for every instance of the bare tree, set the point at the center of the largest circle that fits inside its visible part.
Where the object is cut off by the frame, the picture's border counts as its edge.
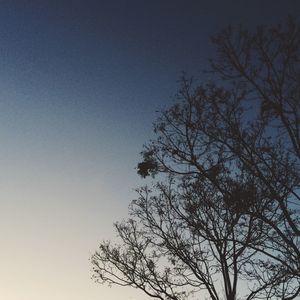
(230, 210)
(182, 239)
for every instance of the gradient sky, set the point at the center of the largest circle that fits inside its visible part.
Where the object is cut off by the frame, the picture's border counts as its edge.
(80, 82)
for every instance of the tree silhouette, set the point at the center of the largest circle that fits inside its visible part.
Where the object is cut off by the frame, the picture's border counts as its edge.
(228, 209)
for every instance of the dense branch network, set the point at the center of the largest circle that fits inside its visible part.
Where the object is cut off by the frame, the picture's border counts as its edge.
(228, 211)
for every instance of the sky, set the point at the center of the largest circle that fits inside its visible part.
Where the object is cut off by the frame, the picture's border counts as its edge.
(80, 86)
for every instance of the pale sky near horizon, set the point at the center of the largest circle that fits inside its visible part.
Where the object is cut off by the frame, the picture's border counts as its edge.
(80, 82)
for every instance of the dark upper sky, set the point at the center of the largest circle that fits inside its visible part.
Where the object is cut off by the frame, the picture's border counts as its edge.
(80, 82)
(132, 52)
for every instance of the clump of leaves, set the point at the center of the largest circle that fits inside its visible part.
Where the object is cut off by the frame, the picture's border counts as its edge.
(148, 166)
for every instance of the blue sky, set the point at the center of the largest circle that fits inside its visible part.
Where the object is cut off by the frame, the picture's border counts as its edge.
(80, 84)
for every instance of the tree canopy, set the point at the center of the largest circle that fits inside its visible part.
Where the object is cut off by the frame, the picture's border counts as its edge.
(224, 217)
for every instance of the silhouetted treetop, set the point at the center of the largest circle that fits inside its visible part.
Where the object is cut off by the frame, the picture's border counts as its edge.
(227, 208)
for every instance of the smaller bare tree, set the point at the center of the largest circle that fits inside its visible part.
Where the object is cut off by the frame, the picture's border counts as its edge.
(187, 237)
